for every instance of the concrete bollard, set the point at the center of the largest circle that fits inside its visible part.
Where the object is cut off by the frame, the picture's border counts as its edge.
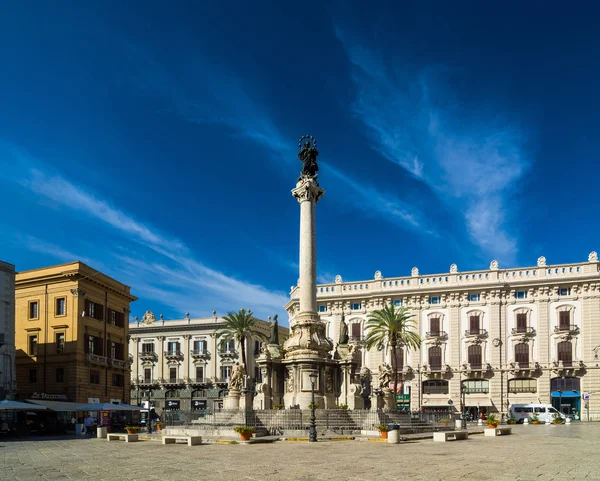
(101, 432)
(526, 421)
(568, 420)
(480, 422)
(394, 436)
(547, 423)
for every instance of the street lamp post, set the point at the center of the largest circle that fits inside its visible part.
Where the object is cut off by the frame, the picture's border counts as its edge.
(312, 433)
(462, 406)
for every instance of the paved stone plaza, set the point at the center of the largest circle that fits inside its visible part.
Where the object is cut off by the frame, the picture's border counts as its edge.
(533, 452)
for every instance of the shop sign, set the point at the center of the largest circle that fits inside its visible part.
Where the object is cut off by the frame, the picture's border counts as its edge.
(402, 397)
(43, 395)
(173, 405)
(198, 404)
(103, 418)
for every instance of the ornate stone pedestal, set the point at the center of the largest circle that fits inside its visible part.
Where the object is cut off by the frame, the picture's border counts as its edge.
(232, 400)
(389, 399)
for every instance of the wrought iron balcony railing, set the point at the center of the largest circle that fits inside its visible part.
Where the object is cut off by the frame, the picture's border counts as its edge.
(436, 334)
(527, 331)
(570, 328)
(476, 332)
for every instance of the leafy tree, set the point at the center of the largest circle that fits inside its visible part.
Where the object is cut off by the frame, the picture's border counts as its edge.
(394, 327)
(239, 326)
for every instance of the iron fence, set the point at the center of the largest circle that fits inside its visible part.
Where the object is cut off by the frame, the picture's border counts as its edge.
(276, 421)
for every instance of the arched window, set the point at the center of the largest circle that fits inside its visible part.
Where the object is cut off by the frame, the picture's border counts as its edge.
(172, 394)
(474, 386)
(564, 350)
(435, 387)
(435, 358)
(522, 354)
(517, 386)
(475, 356)
(565, 384)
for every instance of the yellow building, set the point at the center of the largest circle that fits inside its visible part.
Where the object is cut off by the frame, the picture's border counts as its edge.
(72, 325)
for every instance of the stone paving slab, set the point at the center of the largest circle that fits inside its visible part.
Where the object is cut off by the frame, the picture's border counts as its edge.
(532, 453)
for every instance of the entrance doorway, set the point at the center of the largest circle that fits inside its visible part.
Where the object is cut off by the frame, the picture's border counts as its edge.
(566, 395)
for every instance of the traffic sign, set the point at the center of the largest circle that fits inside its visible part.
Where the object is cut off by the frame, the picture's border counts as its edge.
(586, 396)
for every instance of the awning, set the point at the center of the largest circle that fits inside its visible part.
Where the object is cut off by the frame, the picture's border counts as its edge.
(55, 405)
(483, 402)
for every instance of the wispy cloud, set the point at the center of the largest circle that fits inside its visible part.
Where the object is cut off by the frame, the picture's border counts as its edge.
(472, 160)
(175, 266)
(231, 104)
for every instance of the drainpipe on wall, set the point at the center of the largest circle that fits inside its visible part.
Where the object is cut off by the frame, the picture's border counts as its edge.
(45, 331)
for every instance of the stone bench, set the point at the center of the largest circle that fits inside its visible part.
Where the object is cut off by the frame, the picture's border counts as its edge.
(189, 440)
(128, 438)
(498, 431)
(444, 436)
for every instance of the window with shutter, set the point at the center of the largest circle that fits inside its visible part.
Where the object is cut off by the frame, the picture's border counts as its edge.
(356, 331)
(435, 358)
(434, 326)
(522, 354)
(475, 356)
(564, 320)
(521, 323)
(565, 352)
(474, 324)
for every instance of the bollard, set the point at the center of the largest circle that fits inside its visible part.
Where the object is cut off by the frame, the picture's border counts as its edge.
(547, 422)
(568, 420)
(480, 422)
(101, 432)
(526, 421)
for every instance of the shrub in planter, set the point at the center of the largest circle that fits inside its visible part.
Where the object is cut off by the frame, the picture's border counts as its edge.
(342, 406)
(491, 421)
(383, 430)
(160, 425)
(511, 420)
(132, 429)
(244, 431)
(557, 419)
(535, 420)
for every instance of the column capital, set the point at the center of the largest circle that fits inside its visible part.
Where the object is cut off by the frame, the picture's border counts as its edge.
(307, 189)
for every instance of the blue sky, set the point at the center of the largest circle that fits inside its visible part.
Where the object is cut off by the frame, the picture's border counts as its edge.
(158, 142)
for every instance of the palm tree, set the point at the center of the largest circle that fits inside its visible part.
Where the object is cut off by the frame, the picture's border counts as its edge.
(239, 326)
(394, 327)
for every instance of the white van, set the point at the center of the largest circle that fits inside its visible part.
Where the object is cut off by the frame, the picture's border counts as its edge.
(545, 412)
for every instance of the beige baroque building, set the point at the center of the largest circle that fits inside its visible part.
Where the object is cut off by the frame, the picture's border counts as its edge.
(180, 366)
(491, 338)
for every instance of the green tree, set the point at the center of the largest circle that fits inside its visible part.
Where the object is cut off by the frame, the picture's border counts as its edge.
(239, 326)
(395, 328)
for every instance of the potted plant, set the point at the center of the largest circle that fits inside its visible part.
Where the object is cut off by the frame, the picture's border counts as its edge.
(383, 430)
(535, 420)
(342, 406)
(491, 421)
(557, 419)
(444, 422)
(278, 406)
(511, 420)
(132, 429)
(244, 431)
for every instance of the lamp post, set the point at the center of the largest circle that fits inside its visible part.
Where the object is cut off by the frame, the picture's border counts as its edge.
(312, 433)
(462, 406)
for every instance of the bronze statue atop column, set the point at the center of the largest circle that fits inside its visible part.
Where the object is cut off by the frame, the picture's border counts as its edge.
(308, 156)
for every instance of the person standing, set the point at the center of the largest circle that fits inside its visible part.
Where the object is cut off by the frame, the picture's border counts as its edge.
(88, 423)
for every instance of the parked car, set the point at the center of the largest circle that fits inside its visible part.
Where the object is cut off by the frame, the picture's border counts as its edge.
(545, 412)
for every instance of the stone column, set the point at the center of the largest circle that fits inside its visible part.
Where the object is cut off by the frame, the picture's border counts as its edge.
(308, 193)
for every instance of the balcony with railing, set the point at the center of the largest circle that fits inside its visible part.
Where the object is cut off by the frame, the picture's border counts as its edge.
(148, 356)
(174, 355)
(221, 380)
(476, 333)
(95, 359)
(443, 335)
(144, 382)
(567, 328)
(523, 367)
(200, 354)
(228, 353)
(117, 362)
(197, 381)
(476, 368)
(172, 381)
(523, 331)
